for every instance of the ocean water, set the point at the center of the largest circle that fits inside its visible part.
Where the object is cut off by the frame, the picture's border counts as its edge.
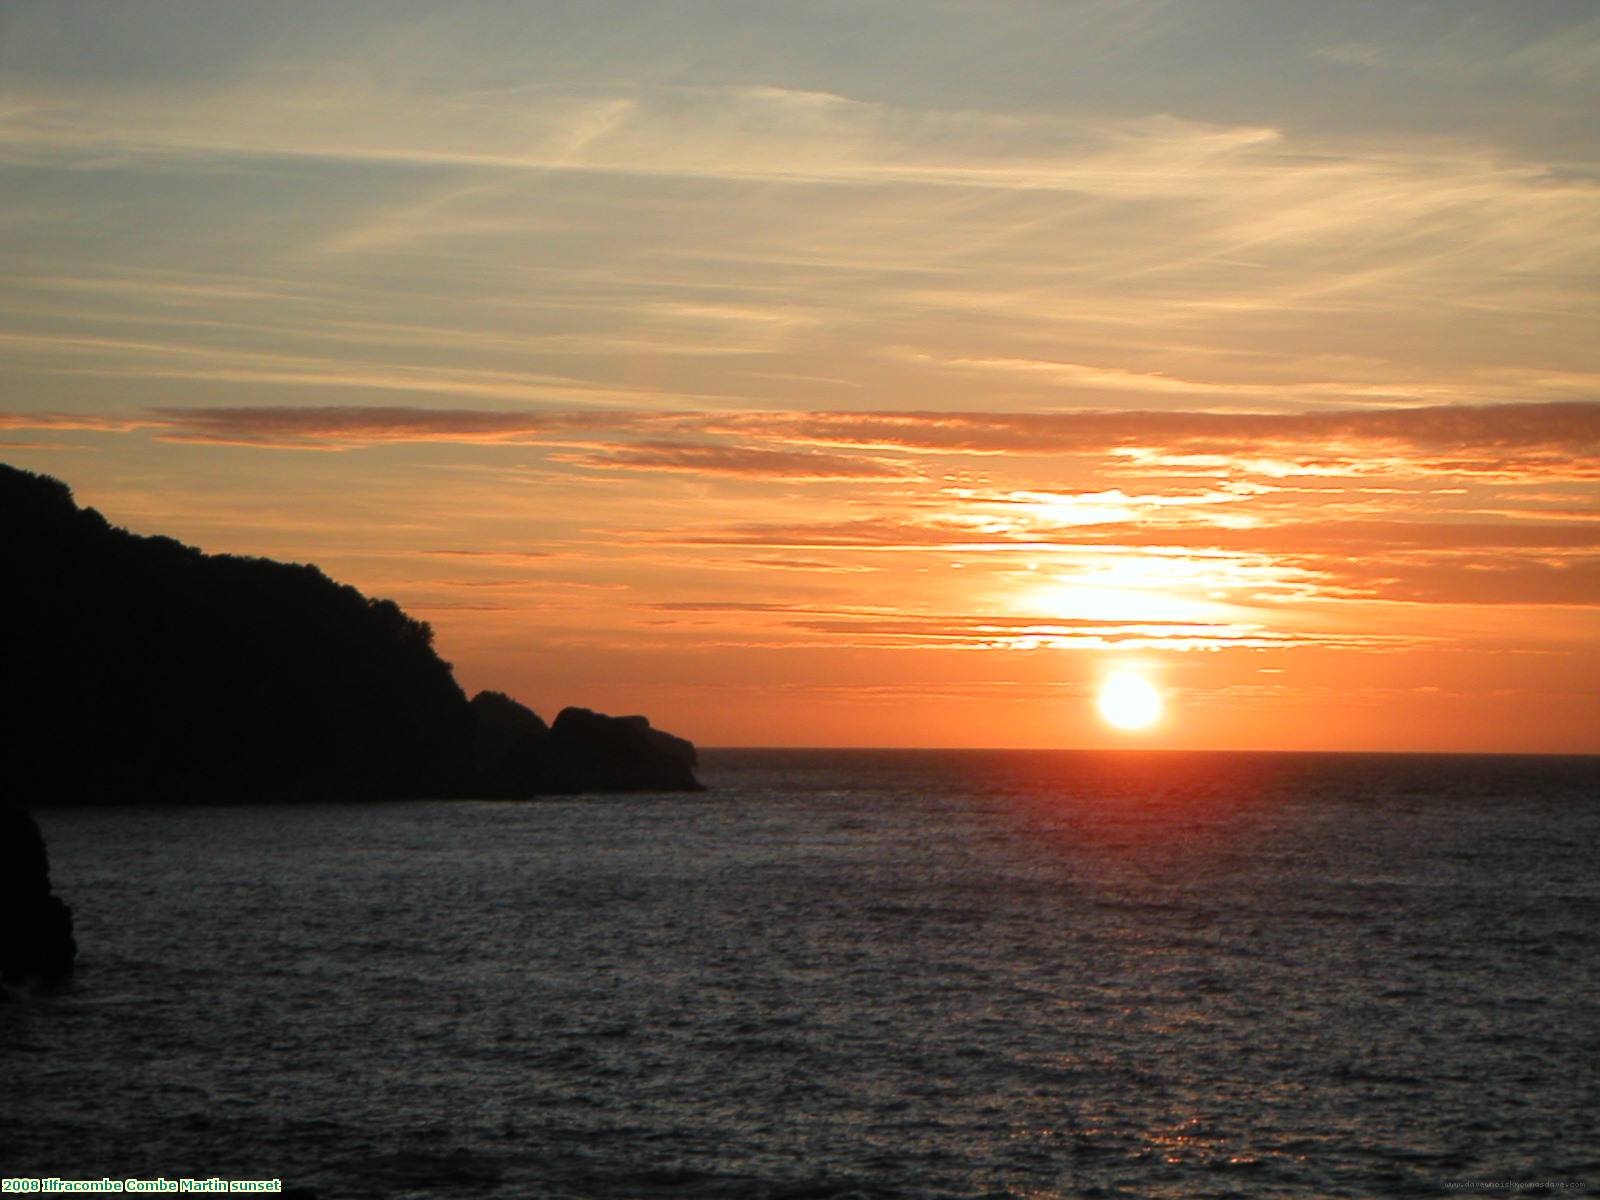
(843, 974)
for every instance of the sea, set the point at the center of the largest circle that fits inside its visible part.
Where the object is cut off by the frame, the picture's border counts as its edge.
(918, 975)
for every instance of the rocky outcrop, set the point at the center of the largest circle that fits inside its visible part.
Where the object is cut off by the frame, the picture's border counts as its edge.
(596, 753)
(137, 668)
(36, 944)
(511, 753)
(516, 754)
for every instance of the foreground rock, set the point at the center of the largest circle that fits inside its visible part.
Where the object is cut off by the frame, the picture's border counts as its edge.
(36, 944)
(140, 669)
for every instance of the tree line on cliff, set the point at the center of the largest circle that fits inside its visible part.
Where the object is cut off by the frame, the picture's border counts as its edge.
(138, 668)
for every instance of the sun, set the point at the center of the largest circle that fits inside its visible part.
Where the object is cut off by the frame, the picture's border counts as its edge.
(1129, 701)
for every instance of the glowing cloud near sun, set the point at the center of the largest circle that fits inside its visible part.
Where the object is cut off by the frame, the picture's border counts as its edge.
(1129, 701)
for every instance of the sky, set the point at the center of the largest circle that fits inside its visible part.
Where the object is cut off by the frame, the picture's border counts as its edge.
(855, 372)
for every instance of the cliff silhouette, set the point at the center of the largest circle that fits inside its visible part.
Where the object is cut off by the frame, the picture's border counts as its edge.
(138, 668)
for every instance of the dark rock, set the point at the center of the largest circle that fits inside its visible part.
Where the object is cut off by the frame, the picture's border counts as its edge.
(512, 755)
(36, 943)
(515, 754)
(679, 748)
(138, 668)
(594, 752)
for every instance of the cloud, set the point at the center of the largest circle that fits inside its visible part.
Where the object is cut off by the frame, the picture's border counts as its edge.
(1087, 377)
(724, 606)
(1406, 505)
(91, 422)
(333, 428)
(883, 629)
(742, 461)
(964, 533)
(1555, 439)
(1546, 514)
(810, 565)
(124, 358)
(731, 132)
(1228, 218)
(863, 533)
(1219, 376)
(502, 556)
(1469, 579)
(1549, 442)
(341, 428)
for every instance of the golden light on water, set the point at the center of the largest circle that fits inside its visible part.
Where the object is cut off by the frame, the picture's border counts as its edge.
(1129, 701)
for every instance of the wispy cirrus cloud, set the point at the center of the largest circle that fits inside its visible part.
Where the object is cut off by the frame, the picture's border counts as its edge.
(90, 422)
(275, 427)
(1571, 580)
(1411, 505)
(750, 462)
(1290, 386)
(1517, 443)
(342, 428)
(887, 629)
(1440, 437)
(976, 534)
(1559, 439)
(496, 556)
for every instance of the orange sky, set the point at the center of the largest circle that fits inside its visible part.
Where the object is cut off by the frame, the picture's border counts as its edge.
(873, 374)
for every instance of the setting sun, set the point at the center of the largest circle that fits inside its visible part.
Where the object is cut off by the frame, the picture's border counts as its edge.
(1128, 701)
(1063, 534)
(756, 375)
